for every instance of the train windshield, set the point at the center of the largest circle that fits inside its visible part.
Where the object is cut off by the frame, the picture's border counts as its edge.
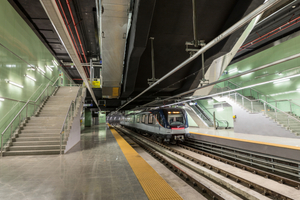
(176, 118)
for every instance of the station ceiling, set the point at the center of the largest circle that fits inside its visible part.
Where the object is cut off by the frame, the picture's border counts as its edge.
(170, 23)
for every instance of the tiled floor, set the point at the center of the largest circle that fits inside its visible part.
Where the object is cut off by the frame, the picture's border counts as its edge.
(259, 138)
(97, 170)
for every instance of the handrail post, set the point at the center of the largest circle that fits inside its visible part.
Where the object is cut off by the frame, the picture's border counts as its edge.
(276, 114)
(235, 97)
(288, 122)
(265, 108)
(60, 143)
(26, 111)
(11, 130)
(251, 106)
(1, 144)
(291, 107)
(243, 100)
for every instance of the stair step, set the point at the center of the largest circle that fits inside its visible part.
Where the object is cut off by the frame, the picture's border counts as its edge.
(38, 138)
(31, 152)
(42, 123)
(38, 134)
(43, 147)
(35, 143)
(29, 130)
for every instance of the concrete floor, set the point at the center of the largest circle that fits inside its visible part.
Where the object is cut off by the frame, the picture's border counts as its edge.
(95, 169)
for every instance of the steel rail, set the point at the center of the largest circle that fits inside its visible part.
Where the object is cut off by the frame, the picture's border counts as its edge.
(259, 188)
(201, 188)
(215, 41)
(265, 174)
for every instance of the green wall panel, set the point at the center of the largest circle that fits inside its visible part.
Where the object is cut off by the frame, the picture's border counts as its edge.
(88, 118)
(20, 48)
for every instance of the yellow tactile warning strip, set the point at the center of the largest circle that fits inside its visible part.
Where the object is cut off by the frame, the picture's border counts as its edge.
(153, 184)
(249, 141)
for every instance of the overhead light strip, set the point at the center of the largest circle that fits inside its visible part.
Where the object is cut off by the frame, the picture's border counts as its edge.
(30, 77)
(15, 84)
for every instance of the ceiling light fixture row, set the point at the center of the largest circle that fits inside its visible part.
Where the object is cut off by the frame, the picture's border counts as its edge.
(238, 89)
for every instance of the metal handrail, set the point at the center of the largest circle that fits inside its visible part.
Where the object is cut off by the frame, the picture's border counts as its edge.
(217, 120)
(62, 128)
(18, 114)
(270, 105)
(74, 105)
(274, 100)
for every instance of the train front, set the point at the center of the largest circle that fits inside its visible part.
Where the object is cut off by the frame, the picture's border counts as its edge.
(177, 123)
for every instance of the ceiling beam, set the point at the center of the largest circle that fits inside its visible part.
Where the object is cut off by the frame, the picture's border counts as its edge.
(57, 21)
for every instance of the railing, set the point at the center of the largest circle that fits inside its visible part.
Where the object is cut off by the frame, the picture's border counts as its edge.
(204, 118)
(286, 105)
(72, 111)
(207, 117)
(259, 105)
(219, 123)
(25, 112)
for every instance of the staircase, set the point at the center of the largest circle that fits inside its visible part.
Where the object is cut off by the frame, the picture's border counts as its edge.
(288, 120)
(41, 134)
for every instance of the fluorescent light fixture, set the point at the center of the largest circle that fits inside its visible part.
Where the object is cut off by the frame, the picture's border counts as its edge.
(51, 66)
(281, 80)
(48, 68)
(30, 77)
(298, 89)
(247, 74)
(15, 84)
(220, 109)
(1, 99)
(233, 70)
(54, 62)
(41, 70)
(234, 90)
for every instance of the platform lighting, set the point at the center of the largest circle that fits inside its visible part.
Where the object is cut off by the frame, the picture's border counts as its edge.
(220, 109)
(1, 99)
(41, 70)
(48, 68)
(281, 80)
(247, 74)
(30, 77)
(15, 84)
(54, 62)
(298, 89)
(234, 90)
(233, 70)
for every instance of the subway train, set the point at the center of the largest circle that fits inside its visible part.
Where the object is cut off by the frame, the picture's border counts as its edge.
(165, 124)
(114, 119)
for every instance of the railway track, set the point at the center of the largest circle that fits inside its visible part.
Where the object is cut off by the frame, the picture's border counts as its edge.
(193, 145)
(181, 156)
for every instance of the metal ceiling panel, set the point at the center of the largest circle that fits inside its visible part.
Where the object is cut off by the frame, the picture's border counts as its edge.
(114, 28)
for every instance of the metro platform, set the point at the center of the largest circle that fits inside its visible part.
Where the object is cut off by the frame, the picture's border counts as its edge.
(276, 146)
(101, 166)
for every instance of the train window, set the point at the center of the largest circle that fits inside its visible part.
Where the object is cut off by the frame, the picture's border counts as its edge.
(176, 118)
(137, 119)
(150, 119)
(143, 118)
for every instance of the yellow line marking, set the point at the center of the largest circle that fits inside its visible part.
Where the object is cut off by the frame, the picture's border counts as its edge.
(250, 141)
(153, 184)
